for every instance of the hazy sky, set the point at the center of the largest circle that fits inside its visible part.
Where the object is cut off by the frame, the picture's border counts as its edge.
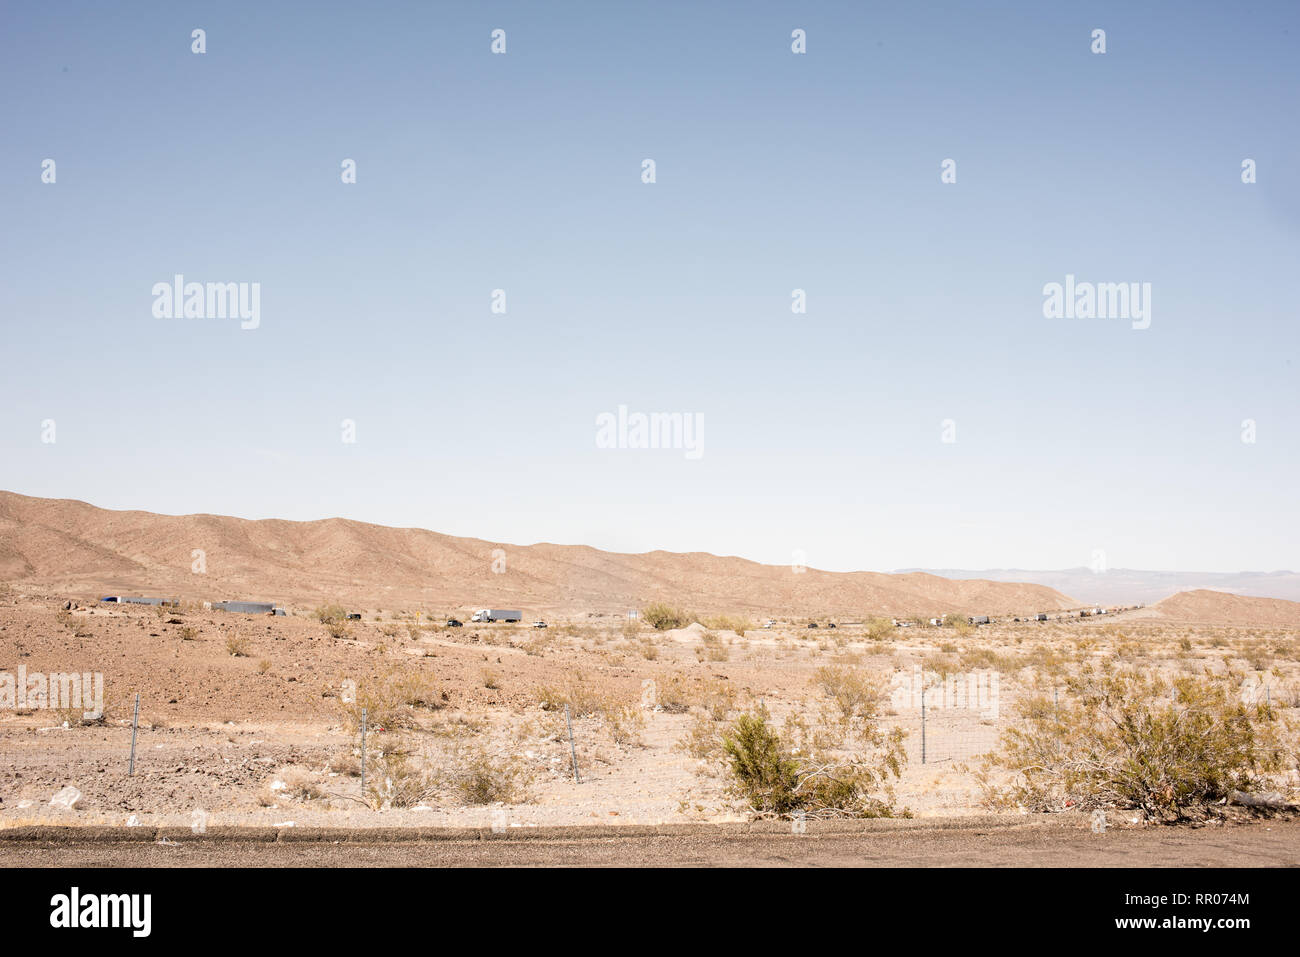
(475, 171)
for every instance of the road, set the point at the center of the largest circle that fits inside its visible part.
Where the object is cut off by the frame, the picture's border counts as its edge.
(1275, 844)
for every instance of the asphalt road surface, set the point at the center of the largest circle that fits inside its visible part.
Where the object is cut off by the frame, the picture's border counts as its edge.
(1275, 844)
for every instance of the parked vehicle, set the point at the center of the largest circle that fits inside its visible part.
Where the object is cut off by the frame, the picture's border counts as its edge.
(539, 624)
(497, 614)
(1040, 617)
(937, 622)
(353, 616)
(812, 624)
(453, 623)
(978, 619)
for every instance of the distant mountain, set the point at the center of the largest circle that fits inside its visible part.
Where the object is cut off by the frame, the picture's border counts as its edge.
(73, 547)
(1127, 586)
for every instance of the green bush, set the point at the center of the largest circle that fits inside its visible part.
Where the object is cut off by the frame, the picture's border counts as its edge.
(815, 777)
(880, 629)
(1130, 738)
(663, 617)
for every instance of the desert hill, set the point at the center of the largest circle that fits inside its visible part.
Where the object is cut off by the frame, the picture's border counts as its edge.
(74, 547)
(1204, 607)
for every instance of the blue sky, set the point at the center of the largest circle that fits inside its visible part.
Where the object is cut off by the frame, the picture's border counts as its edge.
(775, 171)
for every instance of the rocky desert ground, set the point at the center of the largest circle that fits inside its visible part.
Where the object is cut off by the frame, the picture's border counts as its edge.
(253, 719)
(600, 718)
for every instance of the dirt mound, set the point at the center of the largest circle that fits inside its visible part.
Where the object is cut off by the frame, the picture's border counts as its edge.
(73, 547)
(1206, 607)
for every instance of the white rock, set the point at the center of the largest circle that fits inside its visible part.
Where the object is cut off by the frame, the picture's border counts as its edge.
(23, 805)
(133, 821)
(65, 798)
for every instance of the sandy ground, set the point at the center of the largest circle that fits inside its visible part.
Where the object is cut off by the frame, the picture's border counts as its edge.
(219, 731)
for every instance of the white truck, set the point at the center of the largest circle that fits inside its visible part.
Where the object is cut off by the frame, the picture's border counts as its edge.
(497, 614)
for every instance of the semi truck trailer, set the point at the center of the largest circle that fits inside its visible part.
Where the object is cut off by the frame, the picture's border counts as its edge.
(497, 614)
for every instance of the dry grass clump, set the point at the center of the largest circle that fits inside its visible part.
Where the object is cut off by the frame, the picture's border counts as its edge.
(335, 619)
(291, 784)
(736, 623)
(392, 699)
(238, 646)
(986, 659)
(397, 778)
(857, 694)
(620, 718)
(715, 697)
(480, 776)
(712, 648)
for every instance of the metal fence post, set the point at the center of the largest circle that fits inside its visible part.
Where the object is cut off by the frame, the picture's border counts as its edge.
(363, 754)
(923, 689)
(573, 752)
(135, 722)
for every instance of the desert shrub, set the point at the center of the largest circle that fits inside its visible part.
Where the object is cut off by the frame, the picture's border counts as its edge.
(849, 779)
(984, 659)
(624, 724)
(712, 648)
(880, 629)
(301, 784)
(717, 698)
(479, 776)
(856, 693)
(673, 694)
(263, 666)
(620, 718)
(736, 623)
(1130, 738)
(327, 614)
(581, 696)
(662, 617)
(346, 763)
(238, 646)
(396, 778)
(189, 633)
(538, 642)
(702, 740)
(392, 699)
(940, 665)
(338, 629)
(959, 623)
